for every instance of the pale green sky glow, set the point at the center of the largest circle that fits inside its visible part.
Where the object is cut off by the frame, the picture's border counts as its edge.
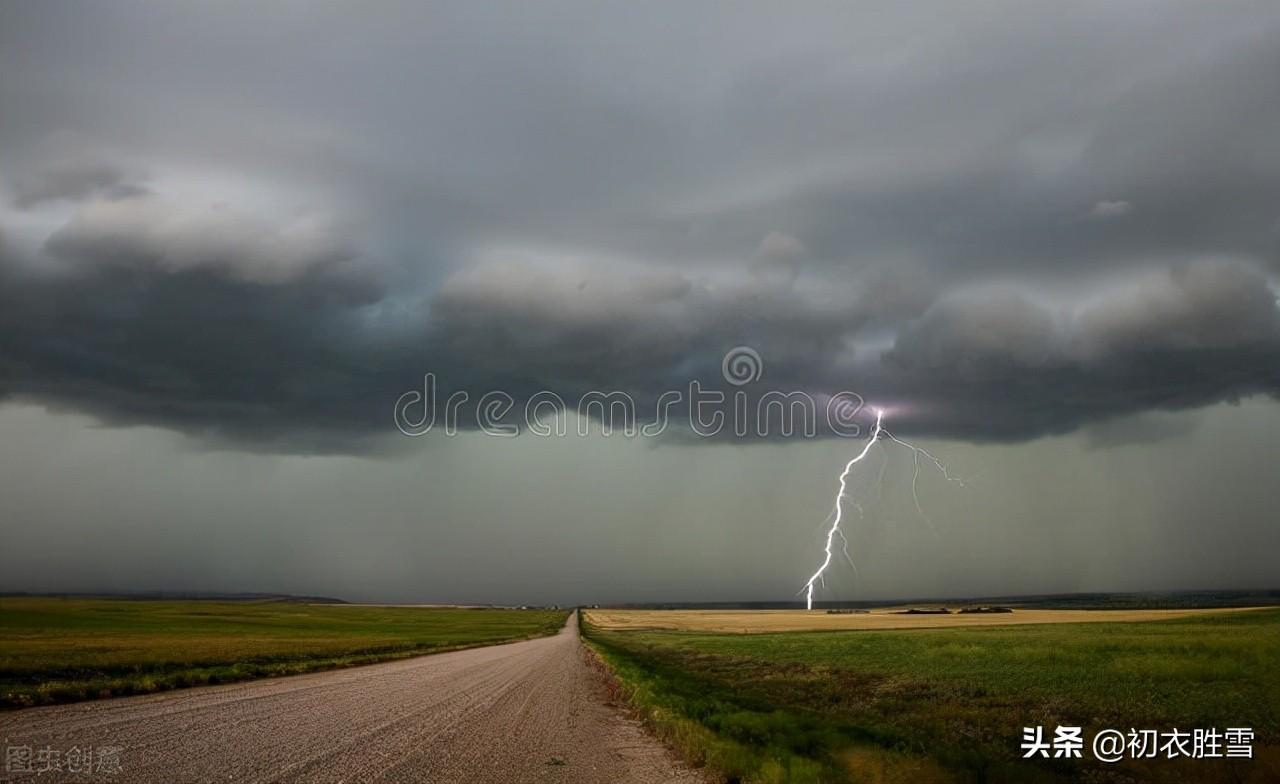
(482, 519)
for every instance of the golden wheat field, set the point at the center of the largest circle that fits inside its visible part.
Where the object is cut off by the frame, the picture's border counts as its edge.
(760, 621)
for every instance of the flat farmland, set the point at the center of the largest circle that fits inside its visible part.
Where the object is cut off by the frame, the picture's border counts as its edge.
(812, 697)
(770, 621)
(62, 650)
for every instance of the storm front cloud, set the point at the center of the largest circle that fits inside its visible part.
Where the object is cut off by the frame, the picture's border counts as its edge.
(1007, 220)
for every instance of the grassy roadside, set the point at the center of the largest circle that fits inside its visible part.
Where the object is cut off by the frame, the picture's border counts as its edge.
(64, 650)
(672, 704)
(949, 704)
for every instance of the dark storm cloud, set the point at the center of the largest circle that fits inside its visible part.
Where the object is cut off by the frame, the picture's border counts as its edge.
(143, 308)
(1003, 365)
(148, 232)
(632, 327)
(194, 350)
(1009, 220)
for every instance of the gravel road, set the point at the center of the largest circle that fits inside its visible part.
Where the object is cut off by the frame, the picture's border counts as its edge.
(533, 711)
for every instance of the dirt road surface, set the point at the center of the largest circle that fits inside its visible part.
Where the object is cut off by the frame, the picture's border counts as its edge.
(532, 711)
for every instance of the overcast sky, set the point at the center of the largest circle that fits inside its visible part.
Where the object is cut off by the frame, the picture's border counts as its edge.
(1044, 238)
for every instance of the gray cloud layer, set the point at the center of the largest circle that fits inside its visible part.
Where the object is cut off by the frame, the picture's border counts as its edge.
(1005, 220)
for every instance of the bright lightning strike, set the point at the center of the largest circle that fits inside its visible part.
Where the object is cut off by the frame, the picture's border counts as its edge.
(835, 524)
(838, 513)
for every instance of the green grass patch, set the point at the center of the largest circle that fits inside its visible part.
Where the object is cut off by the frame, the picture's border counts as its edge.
(61, 650)
(949, 704)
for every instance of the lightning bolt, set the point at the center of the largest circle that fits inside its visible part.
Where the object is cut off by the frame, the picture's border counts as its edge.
(837, 514)
(916, 453)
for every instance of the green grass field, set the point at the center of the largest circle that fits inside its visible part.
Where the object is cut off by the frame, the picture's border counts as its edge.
(59, 650)
(949, 704)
